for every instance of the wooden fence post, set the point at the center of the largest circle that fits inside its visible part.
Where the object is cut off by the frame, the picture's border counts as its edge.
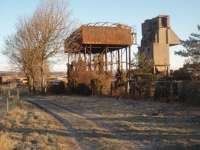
(18, 95)
(7, 104)
(7, 100)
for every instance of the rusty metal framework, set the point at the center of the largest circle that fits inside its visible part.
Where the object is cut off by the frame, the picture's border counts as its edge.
(100, 34)
(109, 24)
(109, 41)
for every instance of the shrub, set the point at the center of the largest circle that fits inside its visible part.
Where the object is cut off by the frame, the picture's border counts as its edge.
(56, 87)
(190, 92)
(83, 89)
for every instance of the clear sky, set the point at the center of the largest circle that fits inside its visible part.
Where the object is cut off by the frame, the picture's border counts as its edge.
(185, 15)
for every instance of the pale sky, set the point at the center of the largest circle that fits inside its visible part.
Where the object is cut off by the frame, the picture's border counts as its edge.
(185, 15)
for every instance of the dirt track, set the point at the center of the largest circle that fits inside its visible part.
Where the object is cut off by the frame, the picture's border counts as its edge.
(108, 123)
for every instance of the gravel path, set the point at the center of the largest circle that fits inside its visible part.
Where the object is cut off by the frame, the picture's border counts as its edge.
(108, 123)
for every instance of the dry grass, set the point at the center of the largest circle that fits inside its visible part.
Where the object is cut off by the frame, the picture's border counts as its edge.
(102, 124)
(30, 128)
(124, 124)
(6, 143)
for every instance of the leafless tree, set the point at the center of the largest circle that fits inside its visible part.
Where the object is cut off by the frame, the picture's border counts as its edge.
(39, 38)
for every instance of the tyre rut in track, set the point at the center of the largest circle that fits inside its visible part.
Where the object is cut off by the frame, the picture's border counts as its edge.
(48, 108)
(66, 116)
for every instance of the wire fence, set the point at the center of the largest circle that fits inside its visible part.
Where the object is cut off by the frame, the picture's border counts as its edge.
(9, 98)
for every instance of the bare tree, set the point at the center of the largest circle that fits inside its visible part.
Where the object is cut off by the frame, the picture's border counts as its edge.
(38, 39)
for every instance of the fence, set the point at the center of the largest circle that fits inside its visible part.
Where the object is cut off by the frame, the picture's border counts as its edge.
(142, 88)
(189, 92)
(168, 90)
(9, 97)
(183, 91)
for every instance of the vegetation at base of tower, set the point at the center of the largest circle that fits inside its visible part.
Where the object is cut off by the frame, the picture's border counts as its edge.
(82, 80)
(142, 76)
(143, 64)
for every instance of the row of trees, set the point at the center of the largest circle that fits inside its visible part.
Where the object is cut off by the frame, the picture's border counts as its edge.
(37, 39)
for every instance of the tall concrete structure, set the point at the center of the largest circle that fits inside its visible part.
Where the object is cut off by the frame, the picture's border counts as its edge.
(157, 37)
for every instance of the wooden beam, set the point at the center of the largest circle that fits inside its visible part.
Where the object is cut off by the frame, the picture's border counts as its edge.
(121, 63)
(129, 48)
(126, 60)
(85, 49)
(111, 65)
(106, 61)
(90, 63)
(118, 59)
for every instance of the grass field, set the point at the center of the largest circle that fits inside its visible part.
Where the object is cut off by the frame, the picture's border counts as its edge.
(89, 123)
